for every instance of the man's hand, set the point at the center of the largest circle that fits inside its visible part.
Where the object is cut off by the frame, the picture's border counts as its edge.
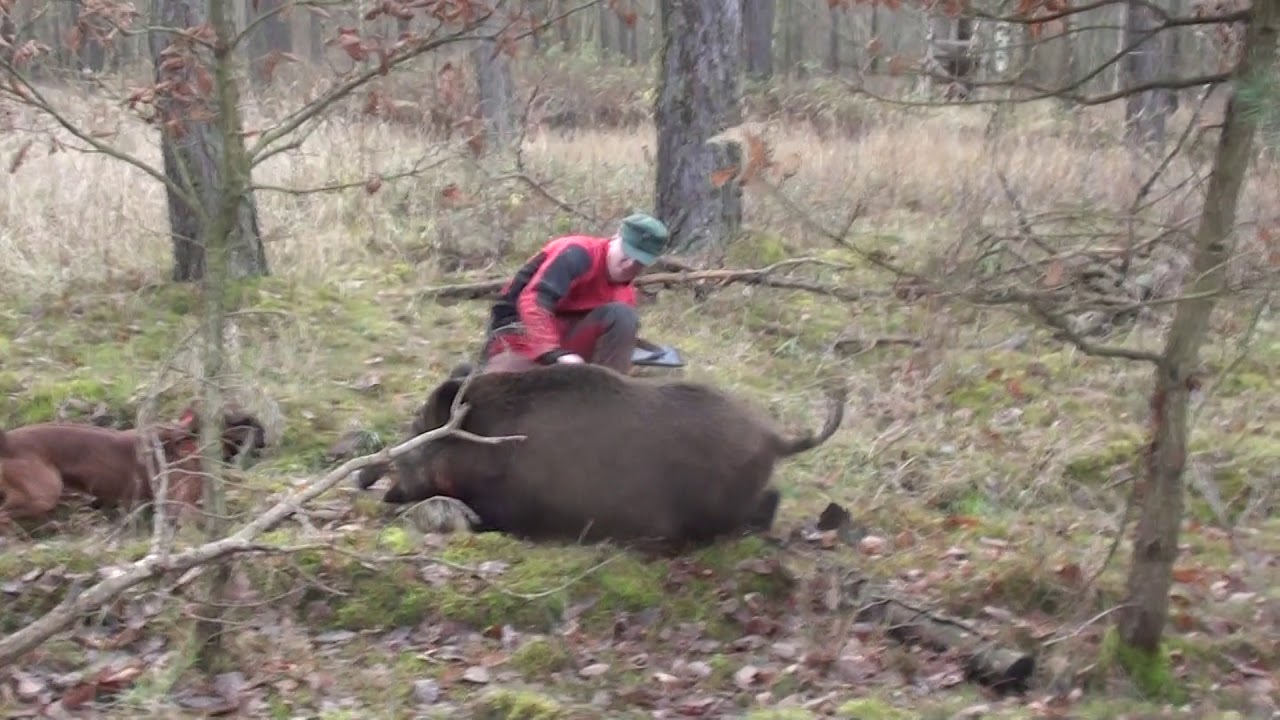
(570, 359)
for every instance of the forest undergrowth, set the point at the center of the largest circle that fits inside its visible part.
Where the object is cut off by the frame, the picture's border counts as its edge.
(985, 463)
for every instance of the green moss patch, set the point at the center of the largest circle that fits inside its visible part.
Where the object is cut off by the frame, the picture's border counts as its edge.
(528, 587)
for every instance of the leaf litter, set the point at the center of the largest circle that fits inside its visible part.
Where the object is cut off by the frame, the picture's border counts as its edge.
(798, 648)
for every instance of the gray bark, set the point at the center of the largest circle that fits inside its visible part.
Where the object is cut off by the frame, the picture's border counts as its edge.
(604, 34)
(193, 149)
(757, 23)
(834, 13)
(496, 90)
(8, 33)
(271, 34)
(1145, 113)
(699, 95)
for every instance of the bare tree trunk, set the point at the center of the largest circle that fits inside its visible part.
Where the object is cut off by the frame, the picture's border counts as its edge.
(790, 54)
(317, 38)
(604, 33)
(1141, 623)
(8, 34)
(699, 90)
(1145, 113)
(757, 21)
(564, 27)
(191, 144)
(89, 31)
(537, 10)
(874, 65)
(495, 86)
(270, 35)
(627, 42)
(833, 39)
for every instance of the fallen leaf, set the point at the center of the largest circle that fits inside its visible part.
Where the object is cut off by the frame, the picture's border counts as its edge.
(426, 691)
(212, 705)
(1188, 575)
(594, 670)
(785, 650)
(1053, 276)
(666, 678)
(759, 566)
(959, 521)
(856, 668)
(871, 545)
(696, 706)
(699, 669)
(720, 177)
(28, 688)
(1070, 573)
(368, 382)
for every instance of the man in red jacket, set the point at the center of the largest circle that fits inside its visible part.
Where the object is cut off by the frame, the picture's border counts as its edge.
(574, 301)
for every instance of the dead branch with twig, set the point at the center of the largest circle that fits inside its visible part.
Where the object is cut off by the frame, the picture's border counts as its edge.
(766, 276)
(158, 563)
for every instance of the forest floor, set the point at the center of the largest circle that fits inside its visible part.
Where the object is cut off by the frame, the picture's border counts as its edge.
(985, 464)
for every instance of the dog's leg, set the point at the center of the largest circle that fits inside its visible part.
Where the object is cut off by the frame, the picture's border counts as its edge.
(31, 489)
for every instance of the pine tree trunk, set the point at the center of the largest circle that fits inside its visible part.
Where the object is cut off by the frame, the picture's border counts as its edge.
(191, 146)
(699, 93)
(757, 20)
(1141, 624)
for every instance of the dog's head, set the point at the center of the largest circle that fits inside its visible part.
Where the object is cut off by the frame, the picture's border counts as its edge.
(239, 430)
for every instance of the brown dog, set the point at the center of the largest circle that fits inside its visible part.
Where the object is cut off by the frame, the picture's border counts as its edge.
(38, 463)
(605, 456)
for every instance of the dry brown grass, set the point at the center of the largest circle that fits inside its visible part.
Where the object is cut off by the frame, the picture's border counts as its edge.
(72, 215)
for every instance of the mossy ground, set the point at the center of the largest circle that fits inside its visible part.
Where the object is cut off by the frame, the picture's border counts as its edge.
(989, 474)
(957, 522)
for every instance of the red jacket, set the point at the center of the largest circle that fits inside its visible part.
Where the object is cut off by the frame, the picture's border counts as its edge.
(569, 275)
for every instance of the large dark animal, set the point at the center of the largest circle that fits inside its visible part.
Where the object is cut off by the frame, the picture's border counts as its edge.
(606, 456)
(40, 462)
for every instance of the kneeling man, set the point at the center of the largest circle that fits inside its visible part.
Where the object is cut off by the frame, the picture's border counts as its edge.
(574, 301)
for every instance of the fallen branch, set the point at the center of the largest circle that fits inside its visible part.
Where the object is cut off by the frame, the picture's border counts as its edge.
(156, 565)
(997, 667)
(488, 289)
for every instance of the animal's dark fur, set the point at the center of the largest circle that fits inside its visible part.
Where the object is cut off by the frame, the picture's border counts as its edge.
(605, 456)
(369, 474)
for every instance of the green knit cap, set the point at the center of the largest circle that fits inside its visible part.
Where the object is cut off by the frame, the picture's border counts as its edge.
(644, 237)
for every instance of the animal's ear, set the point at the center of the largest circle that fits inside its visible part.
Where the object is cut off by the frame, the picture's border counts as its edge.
(171, 436)
(189, 418)
(439, 405)
(461, 370)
